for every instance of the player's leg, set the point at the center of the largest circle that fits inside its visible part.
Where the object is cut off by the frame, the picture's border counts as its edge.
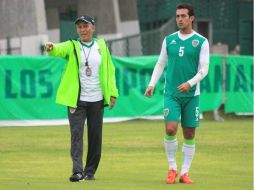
(77, 120)
(171, 117)
(94, 131)
(189, 120)
(188, 151)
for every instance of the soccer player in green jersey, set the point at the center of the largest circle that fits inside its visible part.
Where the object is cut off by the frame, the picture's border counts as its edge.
(186, 54)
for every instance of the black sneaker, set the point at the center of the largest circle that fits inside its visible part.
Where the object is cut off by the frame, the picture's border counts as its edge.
(76, 177)
(89, 177)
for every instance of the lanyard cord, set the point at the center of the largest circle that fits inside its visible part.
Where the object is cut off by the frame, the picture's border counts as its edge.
(90, 47)
(86, 57)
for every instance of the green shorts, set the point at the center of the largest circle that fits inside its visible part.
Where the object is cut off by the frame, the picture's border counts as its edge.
(184, 108)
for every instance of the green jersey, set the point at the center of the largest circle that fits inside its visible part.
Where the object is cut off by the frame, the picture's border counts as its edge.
(183, 62)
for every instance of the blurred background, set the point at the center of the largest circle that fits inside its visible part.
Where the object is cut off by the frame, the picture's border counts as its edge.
(131, 28)
(134, 31)
(133, 156)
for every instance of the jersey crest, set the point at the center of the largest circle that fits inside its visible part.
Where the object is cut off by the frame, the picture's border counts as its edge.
(166, 112)
(195, 43)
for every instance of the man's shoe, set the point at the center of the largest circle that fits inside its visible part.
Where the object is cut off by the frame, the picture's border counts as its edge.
(185, 179)
(89, 177)
(76, 177)
(171, 178)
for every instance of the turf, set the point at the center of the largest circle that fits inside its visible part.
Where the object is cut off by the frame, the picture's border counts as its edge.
(133, 157)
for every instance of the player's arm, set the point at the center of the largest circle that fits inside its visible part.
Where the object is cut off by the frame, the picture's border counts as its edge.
(58, 50)
(203, 64)
(202, 69)
(158, 70)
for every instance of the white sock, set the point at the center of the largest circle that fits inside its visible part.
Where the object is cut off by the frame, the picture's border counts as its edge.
(188, 154)
(171, 148)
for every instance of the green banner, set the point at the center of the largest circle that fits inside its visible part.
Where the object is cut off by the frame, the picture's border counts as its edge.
(239, 84)
(211, 86)
(133, 76)
(29, 86)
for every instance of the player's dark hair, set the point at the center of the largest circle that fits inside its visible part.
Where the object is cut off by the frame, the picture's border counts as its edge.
(187, 6)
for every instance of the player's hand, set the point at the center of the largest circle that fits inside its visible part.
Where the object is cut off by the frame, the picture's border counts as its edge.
(48, 46)
(149, 91)
(112, 102)
(184, 88)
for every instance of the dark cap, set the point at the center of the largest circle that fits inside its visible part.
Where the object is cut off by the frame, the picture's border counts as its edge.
(86, 19)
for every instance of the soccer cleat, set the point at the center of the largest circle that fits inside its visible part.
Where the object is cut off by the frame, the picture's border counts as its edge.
(171, 178)
(76, 177)
(185, 179)
(89, 177)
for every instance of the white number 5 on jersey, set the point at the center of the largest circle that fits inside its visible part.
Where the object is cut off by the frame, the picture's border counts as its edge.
(181, 51)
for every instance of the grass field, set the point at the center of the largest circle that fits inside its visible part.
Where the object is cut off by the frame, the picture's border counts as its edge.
(133, 157)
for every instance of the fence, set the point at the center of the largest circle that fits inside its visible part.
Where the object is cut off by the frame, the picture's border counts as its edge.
(145, 43)
(10, 46)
